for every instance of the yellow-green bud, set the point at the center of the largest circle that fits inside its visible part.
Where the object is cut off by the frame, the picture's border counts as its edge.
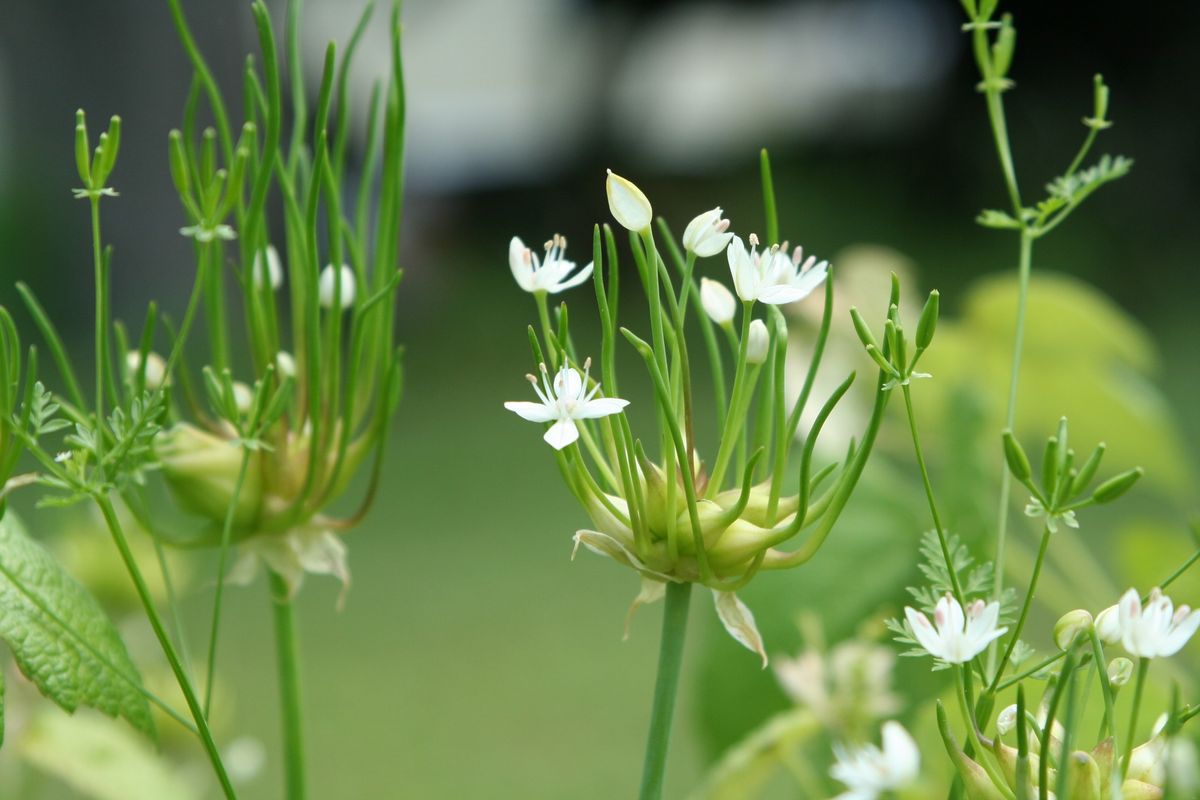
(202, 471)
(1071, 626)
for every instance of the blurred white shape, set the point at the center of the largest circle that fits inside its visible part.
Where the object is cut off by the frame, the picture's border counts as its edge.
(705, 83)
(496, 91)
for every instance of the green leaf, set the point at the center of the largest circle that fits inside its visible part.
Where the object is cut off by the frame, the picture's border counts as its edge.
(61, 638)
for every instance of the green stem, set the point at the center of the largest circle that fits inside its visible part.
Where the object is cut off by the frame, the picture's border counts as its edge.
(1016, 634)
(937, 519)
(1143, 666)
(287, 652)
(735, 420)
(222, 560)
(670, 658)
(164, 641)
(1024, 266)
(101, 326)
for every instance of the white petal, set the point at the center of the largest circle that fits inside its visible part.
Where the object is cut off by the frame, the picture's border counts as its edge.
(520, 262)
(600, 407)
(344, 288)
(742, 270)
(568, 383)
(605, 545)
(782, 294)
(738, 620)
(562, 433)
(575, 280)
(926, 636)
(652, 591)
(1180, 634)
(901, 754)
(534, 412)
(718, 302)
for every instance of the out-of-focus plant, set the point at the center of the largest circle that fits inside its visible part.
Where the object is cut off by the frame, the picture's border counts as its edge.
(258, 461)
(682, 519)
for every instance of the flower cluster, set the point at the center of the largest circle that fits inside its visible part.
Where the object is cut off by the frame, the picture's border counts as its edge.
(682, 517)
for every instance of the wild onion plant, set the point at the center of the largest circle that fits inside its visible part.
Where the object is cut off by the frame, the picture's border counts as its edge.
(259, 442)
(678, 505)
(977, 623)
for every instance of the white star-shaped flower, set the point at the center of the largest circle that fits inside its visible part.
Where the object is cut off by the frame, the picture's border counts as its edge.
(770, 276)
(870, 771)
(564, 401)
(1035, 509)
(957, 638)
(551, 274)
(1157, 629)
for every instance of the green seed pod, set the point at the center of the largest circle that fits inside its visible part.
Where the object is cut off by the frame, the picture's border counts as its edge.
(83, 161)
(179, 169)
(894, 300)
(1113, 488)
(928, 321)
(1050, 467)
(862, 329)
(110, 144)
(1002, 49)
(1014, 454)
(1088, 470)
(1099, 100)
(201, 470)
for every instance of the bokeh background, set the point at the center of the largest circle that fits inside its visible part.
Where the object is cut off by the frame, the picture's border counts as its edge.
(473, 658)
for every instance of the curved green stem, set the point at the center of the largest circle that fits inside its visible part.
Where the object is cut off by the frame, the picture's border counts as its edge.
(286, 648)
(1139, 686)
(164, 641)
(670, 659)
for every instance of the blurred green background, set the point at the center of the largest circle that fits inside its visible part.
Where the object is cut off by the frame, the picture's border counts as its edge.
(473, 658)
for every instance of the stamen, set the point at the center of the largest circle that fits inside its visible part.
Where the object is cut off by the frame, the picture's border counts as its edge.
(753, 239)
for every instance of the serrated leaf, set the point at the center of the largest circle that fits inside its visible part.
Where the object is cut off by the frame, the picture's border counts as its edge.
(91, 668)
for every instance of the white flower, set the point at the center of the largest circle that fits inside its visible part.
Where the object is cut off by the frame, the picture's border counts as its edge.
(758, 341)
(285, 364)
(707, 234)
(311, 548)
(629, 206)
(1108, 625)
(1158, 629)
(770, 276)
(563, 402)
(851, 683)
(958, 638)
(869, 771)
(547, 275)
(62, 457)
(717, 301)
(326, 288)
(1035, 509)
(271, 268)
(156, 368)
(202, 233)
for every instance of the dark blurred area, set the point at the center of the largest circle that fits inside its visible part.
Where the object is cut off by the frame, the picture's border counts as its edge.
(516, 108)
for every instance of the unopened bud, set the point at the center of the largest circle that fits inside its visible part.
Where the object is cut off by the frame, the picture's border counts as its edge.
(1120, 670)
(707, 234)
(718, 302)
(343, 293)
(156, 369)
(1006, 720)
(1071, 626)
(758, 341)
(629, 206)
(269, 268)
(1108, 625)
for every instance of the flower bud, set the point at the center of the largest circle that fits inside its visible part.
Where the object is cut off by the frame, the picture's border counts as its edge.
(1108, 625)
(758, 342)
(268, 267)
(718, 302)
(285, 364)
(1120, 670)
(707, 234)
(156, 369)
(1071, 626)
(243, 397)
(1006, 720)
(928, 322)
(627, 203)
(326, 289)
(202, 470)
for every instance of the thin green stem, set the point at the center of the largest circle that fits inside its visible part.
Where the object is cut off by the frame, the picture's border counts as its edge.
(1024, 266)
(101, 325)
(1139, 686)
(1036, 668)
(670, 659)
(735, 420)
(1016, 634)
(222, 560)
(288, 659)
(937, 519)
(164, 641)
